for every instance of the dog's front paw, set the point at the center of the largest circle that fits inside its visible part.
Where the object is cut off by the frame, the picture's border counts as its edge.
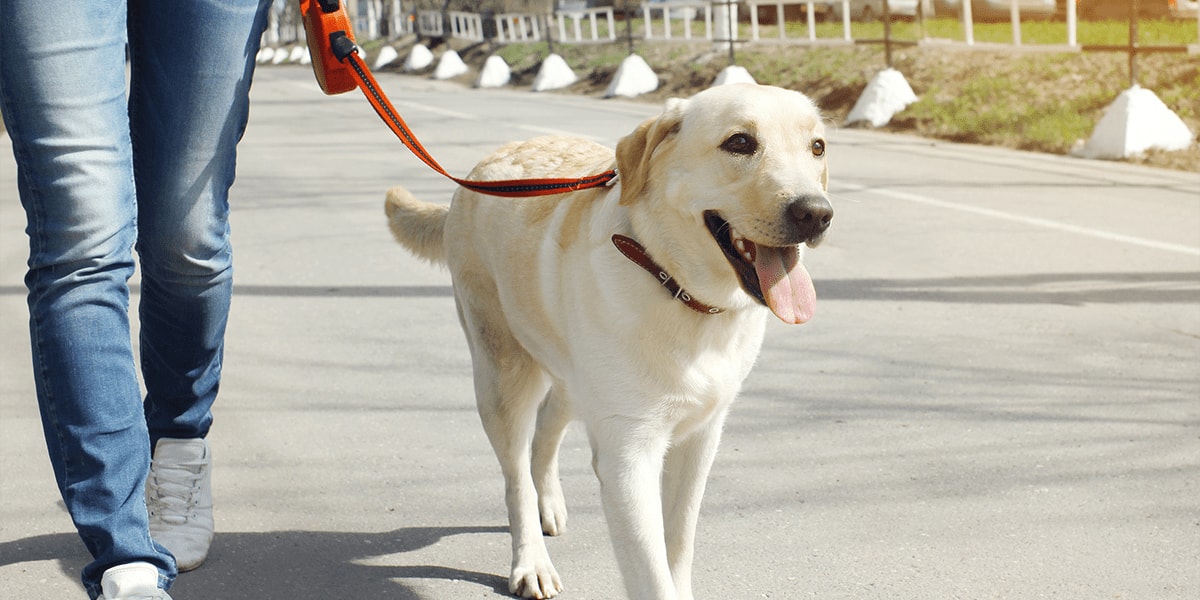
(535, 579)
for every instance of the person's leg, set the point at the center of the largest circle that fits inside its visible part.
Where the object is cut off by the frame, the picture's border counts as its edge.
(191, 65)
(62, 87)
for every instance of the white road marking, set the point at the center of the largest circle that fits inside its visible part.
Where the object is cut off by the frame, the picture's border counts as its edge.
(1034, 221)
(445, 112)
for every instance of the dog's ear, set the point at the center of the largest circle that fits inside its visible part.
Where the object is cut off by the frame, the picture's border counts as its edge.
(635, 150)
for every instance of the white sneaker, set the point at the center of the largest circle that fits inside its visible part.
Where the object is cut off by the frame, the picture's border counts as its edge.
(179, 499)
(132, 581)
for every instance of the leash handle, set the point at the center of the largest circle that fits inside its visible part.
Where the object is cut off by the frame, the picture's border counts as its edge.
(322, 20)
(339, 68)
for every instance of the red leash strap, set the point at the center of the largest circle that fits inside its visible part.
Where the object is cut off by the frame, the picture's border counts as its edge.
(507, 188)
(329, 30)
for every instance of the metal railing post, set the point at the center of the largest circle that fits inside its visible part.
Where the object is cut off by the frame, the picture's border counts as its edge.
(731, 20)
(968, 22)
(887, 33)
(1133, 43)
(629, 26)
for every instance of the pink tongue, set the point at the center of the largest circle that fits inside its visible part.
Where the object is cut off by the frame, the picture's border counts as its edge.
(785, 284)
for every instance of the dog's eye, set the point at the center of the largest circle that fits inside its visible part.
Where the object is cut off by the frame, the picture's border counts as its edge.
(818, 148)
(740, 143)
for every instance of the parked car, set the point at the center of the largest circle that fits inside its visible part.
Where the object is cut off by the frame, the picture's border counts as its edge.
(999, 10)
(871, 10)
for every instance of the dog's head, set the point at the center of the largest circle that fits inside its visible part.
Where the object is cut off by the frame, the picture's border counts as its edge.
(734, 176)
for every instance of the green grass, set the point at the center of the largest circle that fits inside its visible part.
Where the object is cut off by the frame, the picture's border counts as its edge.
(990, 110)
(1150, 31)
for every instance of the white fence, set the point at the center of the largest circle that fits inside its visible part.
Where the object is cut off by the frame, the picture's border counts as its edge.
(466, 26)
(669, 20)
(592, 16)
(810, 14)
(370, 19)
(518, 28)
(429, 24)
(684, 11)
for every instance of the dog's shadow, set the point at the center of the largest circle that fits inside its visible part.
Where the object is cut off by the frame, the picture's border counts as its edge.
(288, 565)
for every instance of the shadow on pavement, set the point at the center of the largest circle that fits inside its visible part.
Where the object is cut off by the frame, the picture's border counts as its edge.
(1071, 289)
(284, 565)
(1021, 288)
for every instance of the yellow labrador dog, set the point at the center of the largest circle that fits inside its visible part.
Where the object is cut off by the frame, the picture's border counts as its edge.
(638, 309)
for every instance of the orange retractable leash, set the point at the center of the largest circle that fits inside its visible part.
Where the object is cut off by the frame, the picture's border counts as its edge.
(339, 68)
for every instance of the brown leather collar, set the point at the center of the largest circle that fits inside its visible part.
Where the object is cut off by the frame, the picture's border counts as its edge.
(637, 253)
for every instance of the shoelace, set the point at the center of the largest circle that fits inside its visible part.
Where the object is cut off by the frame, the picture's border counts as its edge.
(174, 491)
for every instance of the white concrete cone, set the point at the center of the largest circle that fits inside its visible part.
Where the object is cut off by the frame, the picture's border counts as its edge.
(264, 55)
(495, 73)
(280, 56)
(387, 56)
(554, 74)
(449, 66)
(418, 58)
(887, 94)
(1135, 122)
(297, 53)
(633, 78)
(733, 74)
(305, 57)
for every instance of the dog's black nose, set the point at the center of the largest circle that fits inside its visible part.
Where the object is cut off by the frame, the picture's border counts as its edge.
(812, 216)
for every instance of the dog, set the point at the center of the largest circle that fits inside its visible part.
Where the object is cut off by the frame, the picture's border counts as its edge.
(637, 308)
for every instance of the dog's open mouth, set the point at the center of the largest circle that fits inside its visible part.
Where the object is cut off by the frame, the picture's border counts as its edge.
(772, 275)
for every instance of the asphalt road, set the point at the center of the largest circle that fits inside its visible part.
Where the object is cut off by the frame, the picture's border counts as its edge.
(999, 396)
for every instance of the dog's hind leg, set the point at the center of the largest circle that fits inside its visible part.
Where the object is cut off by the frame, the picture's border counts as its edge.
(509, 387)
(552, 421)
(685, 473)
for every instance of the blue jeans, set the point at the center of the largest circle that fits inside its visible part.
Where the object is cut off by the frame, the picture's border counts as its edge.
(99, 174)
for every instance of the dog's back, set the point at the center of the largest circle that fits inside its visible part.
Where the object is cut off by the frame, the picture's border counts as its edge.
(420, 226)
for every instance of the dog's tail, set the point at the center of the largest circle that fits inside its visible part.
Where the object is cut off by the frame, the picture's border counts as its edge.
(417, 225)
